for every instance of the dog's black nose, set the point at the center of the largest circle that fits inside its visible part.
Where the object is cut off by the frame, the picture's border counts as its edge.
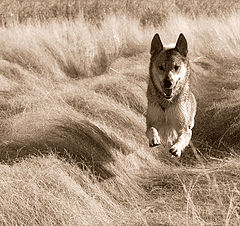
(167, 83)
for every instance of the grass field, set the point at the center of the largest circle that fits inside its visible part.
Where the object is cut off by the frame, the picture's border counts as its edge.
(73, 148)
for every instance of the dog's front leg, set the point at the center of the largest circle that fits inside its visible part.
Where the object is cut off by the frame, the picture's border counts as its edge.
(153, 137)
(184, 137)
(154, 120)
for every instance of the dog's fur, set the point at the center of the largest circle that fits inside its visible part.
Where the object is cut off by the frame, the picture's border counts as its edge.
(171, 104)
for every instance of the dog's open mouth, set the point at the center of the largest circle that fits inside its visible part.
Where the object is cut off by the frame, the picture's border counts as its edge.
(168, 93)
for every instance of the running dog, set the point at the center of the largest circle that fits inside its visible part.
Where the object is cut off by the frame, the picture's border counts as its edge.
(171, 104)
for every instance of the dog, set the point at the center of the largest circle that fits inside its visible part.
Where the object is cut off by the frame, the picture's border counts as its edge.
(171, 104)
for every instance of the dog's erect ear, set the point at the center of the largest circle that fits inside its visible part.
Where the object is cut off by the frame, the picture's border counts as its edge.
(181, 45)
(156, 45)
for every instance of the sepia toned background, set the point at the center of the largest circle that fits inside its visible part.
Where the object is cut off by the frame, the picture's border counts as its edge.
(73, 79)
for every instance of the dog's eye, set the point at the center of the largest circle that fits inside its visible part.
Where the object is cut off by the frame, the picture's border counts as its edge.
(176, 67)
(161, 68)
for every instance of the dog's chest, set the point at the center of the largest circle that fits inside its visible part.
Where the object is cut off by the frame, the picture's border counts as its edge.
(168, 122)
(172, 117)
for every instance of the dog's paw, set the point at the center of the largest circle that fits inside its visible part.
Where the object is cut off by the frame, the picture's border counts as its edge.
(155, 141)
(175, 151)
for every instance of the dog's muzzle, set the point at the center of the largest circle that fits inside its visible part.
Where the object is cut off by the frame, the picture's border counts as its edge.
(168, 88)
(167, 93)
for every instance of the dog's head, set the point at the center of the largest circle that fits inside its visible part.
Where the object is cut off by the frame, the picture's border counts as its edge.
(169, 66)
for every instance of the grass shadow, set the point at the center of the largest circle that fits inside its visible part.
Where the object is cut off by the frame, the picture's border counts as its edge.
(81, 141)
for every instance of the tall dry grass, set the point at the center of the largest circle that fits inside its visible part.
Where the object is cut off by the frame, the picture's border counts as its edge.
(148, 12)
(72, 132)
